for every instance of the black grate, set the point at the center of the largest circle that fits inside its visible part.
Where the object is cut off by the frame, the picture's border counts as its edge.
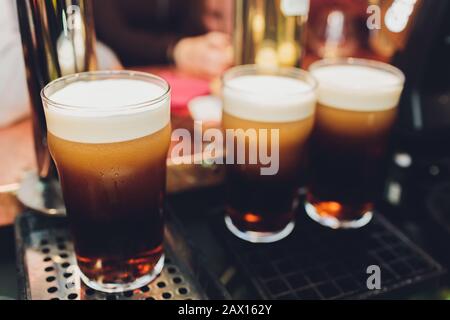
(319, 263)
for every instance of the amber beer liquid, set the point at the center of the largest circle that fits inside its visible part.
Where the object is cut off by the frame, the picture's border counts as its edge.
(109, 134)
(356, 111)
(262, 208)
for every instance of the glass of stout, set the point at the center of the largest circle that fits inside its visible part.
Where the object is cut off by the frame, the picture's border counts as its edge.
(109, 134)
(357, 108)
(259, 101)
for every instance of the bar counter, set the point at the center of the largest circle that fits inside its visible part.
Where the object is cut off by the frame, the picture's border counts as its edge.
(191, 207)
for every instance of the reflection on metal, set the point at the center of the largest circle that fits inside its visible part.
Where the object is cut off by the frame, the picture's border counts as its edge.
(43, 197)
(270, 32)
(58, 39)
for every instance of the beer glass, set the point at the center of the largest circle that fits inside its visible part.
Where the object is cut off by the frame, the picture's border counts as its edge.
(270, 32)
(58, 39)
(265, 109)
(109, 133)
(357, 107)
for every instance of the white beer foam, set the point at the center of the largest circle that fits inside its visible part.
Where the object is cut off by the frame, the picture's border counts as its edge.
(358, 88)
(103, 111)
(265, 98)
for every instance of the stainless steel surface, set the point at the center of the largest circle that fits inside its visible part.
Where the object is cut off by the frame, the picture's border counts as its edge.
(47, 269)
(44, 197)
(53, 274)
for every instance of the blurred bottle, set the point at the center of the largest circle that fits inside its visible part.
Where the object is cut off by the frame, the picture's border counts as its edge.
(334, 28)
(270, 32)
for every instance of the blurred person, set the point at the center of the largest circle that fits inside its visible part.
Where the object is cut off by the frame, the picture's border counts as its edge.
(218, 15)
(15, 104)
(161, 32)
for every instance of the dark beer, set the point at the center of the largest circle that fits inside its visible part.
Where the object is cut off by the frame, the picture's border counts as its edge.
(354, 118)
(261, 208)
(267, 204)
(112, 166)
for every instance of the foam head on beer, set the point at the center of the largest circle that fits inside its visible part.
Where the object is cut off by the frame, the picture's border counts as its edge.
(269, 98)
(107, 111)
(358, 87)
(284, 102)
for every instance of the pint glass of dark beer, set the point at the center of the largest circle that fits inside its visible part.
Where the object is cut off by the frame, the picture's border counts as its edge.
(266, 110)
(109, 133)
(357, 107)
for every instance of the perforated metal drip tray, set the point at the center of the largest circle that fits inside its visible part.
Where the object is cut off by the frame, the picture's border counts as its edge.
(317, 263)
(47, 269)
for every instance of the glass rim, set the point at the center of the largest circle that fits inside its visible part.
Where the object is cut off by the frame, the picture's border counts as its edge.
(105, 75)
(254, 69)
(351, 61)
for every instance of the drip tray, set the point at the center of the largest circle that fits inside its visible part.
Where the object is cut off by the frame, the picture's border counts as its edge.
(47, 266)
(318, 263)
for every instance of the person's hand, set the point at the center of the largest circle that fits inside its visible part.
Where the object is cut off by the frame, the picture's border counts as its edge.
(205, 56)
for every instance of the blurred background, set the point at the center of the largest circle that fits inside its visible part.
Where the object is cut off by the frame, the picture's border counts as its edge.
(192, 43)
